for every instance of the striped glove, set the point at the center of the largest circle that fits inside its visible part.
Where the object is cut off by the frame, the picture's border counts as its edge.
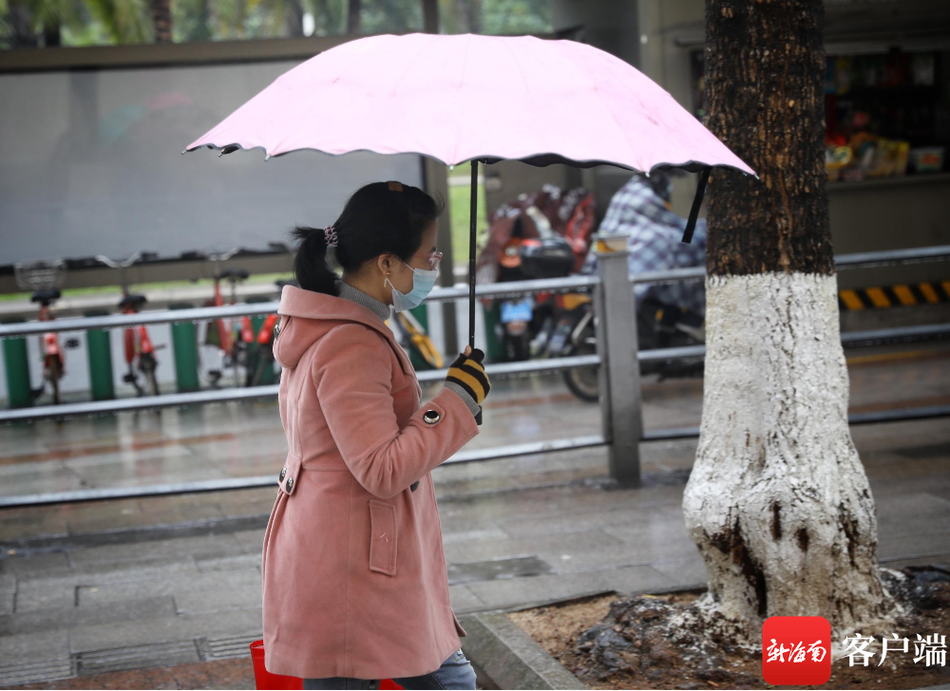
(468, 373)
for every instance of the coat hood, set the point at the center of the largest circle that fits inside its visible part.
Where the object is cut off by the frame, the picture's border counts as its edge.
(307, 315)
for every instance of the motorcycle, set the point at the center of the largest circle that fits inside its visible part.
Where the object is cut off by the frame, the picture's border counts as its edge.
(659, 325)
(542, 235)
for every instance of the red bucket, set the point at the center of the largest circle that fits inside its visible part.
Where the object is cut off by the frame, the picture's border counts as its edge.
(265, 680)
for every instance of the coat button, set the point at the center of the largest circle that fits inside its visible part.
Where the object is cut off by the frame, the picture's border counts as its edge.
(290, 483)
(431, 416)
(282, 473)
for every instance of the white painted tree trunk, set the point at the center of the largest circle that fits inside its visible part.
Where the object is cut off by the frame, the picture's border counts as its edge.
(778, 502)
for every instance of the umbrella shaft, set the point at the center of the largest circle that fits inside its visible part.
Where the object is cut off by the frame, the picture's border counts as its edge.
(471, 256)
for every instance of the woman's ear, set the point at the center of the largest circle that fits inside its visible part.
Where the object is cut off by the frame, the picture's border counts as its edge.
(385, 263)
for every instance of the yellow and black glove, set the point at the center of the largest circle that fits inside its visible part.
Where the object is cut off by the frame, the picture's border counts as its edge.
(467, 378)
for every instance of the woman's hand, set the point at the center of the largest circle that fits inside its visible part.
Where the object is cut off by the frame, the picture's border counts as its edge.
(468, 372)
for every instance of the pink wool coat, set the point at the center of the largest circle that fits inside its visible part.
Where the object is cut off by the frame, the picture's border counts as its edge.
(355, 579)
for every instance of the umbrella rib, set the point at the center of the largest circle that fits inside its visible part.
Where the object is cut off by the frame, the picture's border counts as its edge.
(421, 51)
(455, 150)
(620, 129)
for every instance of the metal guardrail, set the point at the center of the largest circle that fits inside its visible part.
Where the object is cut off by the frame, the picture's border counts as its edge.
(507, 369)
(618, 367)
(439, 294)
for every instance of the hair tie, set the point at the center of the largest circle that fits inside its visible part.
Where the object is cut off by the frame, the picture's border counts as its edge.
(330, 234)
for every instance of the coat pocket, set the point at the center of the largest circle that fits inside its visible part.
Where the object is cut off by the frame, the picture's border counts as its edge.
(382, 545)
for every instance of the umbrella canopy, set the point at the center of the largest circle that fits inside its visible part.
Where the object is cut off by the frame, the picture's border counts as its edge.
(481, 98)
(471, 97)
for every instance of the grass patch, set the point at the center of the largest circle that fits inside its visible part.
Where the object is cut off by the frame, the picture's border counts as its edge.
(459, 208)
(143, 287)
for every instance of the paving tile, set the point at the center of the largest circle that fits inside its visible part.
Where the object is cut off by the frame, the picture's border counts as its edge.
(34, 563)
(468, 535)
(240, 561)
(566, 560)
(913, 546)
(199, 545)
(44, 595)
(250, 541)
(485, 549)
(222, 590)
(57, 618)
(912, 514)
(507, 593)
(683, 571)
(577, 521)
(7, 593)
(108, 572)
(214, 598)
(35, 646)
(463, 599)
(163, 629)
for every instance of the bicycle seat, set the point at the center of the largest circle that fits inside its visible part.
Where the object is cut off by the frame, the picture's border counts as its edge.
(235, 274)
(132, 301)
(46, 296)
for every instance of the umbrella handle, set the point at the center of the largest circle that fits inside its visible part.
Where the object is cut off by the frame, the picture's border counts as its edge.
(697, 202)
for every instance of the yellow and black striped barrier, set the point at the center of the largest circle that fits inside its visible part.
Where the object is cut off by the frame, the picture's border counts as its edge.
(927, 293)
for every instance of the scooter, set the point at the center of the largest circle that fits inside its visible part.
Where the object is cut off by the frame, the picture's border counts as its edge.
(45, 279)
(262, 356)
(136, 339)
(54, 360)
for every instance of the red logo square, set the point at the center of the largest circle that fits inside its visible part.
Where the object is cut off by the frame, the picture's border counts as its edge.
(796, 650)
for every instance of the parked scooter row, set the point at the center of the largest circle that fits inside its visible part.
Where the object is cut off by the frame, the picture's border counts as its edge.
(246, 351)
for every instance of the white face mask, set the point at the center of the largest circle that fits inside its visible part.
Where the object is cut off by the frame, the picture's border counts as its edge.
(423, 281)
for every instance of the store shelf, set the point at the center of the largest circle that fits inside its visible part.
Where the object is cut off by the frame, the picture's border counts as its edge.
(839, 186)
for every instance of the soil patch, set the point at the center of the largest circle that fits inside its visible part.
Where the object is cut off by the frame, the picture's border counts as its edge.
(619, 642)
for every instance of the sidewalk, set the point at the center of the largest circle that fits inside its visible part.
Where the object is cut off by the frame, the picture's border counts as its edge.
(99, 588)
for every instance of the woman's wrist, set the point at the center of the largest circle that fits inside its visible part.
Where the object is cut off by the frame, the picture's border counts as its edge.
(463, 394)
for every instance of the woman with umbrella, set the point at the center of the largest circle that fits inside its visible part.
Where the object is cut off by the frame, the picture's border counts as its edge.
(355, 579)
(354, 399)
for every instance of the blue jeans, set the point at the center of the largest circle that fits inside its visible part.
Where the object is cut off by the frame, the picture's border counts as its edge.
(455, 673)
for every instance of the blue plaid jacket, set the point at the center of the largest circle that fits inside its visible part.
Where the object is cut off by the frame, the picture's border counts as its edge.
(655, 241)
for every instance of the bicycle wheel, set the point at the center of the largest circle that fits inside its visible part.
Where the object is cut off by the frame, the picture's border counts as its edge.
(148, 365)
(55, 372)
(584, 382)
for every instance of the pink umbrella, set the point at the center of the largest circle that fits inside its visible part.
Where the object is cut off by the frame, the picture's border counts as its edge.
(480, 98)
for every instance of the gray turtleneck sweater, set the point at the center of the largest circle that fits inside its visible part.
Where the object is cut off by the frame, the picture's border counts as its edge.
(382, 310)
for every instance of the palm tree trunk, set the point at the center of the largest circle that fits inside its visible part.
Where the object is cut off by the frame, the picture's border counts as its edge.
(353, 17)
(162, 17)
(293, 19)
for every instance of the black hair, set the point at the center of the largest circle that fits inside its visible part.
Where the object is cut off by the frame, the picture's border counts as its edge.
(379, 218)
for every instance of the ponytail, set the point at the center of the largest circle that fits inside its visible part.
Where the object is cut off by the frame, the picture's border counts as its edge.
(310, 265)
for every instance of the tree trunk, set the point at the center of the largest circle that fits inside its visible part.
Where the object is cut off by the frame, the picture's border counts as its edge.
(353, 17)
(52, 36)
(162, 17)
(293, 19)
(777, 502)
(430, 16)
